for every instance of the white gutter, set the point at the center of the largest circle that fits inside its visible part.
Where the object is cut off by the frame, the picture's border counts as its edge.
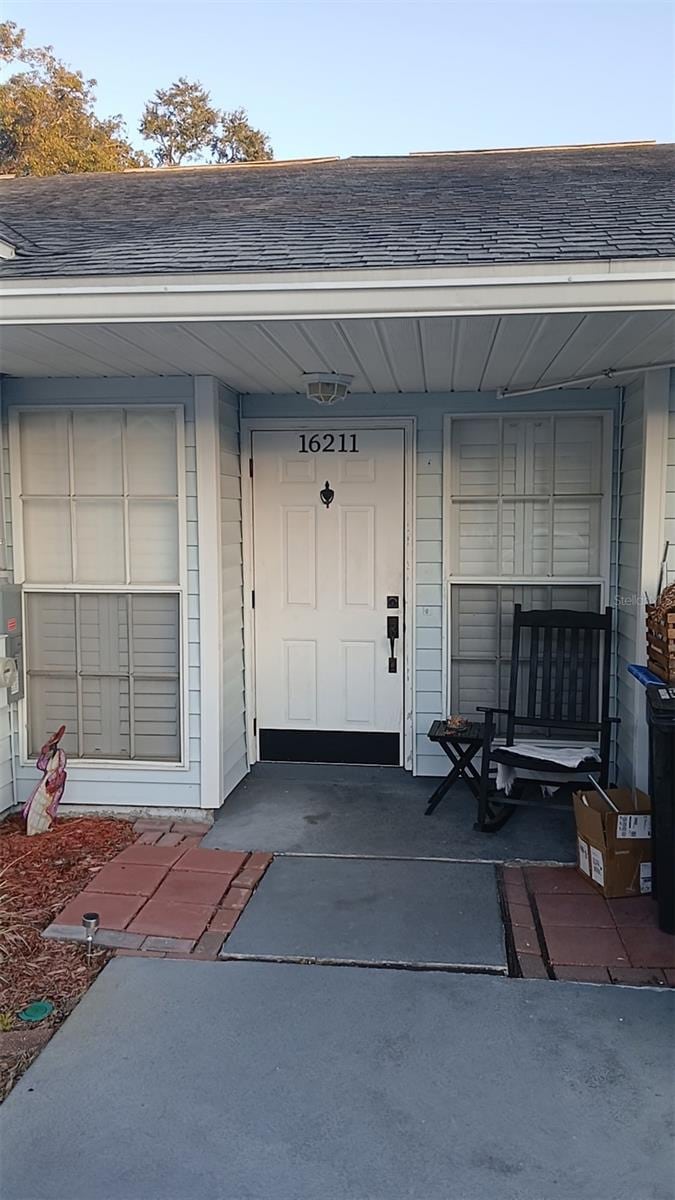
(522, 288)
(610, 373)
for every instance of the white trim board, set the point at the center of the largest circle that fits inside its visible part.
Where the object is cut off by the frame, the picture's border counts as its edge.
(656, 396)
(656, 391)
(409, 427)
(207, 445)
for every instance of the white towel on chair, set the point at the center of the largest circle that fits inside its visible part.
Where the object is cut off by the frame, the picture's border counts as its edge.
(566, 756)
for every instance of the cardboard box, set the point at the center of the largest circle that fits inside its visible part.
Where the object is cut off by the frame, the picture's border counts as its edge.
(614, 850)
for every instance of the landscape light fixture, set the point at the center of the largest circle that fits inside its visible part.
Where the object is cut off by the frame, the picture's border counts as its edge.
(90, 923)
(326, 387)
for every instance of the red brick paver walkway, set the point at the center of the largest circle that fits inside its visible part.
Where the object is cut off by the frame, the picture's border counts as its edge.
(166, 895)
(562, 928)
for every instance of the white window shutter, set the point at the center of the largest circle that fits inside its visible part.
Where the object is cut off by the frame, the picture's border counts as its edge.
(155, 634)
(44, 453)
(157, 719)
(99, 541)
(476, 452)
(104, 637)
(105, 718)
(47, 547)
(151, 452)
(97, 452)
(50, 633)
(50, 654)
(578, 455)
(153, 541)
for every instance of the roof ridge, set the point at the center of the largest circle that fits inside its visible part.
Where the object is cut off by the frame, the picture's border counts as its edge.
(535, 149)
(251, 162)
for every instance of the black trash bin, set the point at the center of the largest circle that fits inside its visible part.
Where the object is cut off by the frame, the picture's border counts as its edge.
(661, 718)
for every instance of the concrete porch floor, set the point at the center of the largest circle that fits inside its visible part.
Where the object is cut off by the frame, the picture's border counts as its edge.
(300, 808)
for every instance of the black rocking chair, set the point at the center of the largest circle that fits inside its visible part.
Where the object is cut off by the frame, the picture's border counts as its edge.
(559, 687)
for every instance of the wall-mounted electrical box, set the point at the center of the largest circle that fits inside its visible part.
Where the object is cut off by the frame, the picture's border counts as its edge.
(11, 628)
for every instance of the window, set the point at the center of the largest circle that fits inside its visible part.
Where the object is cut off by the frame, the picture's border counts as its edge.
(526, 526)
(100, 508)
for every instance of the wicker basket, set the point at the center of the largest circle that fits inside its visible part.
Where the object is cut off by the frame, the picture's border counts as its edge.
(661, 643)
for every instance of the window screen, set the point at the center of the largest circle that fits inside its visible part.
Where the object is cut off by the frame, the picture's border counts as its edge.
(106, 666)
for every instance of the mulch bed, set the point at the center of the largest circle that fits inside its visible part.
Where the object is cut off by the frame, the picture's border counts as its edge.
(38, 876)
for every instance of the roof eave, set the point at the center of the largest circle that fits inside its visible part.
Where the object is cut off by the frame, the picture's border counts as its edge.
(591, 285)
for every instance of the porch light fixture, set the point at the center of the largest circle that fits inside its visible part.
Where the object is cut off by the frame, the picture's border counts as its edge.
(326, 387)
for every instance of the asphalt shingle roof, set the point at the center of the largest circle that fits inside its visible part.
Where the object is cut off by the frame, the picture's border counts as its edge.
(428, 211)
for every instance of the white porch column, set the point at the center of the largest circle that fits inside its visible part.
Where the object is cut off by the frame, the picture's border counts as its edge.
(655, 396)
(210, 575)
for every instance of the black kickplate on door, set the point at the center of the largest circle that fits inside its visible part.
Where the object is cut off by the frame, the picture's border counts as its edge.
(330, 746)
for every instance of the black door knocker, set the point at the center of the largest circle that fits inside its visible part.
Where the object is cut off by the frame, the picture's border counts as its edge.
(327, 495)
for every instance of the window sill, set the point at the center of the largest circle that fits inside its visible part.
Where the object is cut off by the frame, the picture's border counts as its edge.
(111, 764)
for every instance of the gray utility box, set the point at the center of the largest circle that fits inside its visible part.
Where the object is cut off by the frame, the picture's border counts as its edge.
(11, 627)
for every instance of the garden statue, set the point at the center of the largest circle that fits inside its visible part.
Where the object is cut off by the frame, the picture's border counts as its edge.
(40, 809)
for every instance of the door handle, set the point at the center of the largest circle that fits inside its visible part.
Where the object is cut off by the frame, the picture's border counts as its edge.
(392, 634)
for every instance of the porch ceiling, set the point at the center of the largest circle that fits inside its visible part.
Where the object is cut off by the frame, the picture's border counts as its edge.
(428, 354)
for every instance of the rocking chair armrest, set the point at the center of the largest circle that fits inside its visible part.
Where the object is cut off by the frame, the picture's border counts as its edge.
(481, 708)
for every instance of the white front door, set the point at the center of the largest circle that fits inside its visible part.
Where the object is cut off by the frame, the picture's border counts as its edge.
(328, 561)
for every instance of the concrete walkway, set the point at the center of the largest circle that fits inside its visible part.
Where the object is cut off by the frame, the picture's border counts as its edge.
(215, 1081)
(314, 809)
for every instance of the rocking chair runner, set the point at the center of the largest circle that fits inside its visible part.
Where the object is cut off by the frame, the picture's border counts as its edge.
(559, 686)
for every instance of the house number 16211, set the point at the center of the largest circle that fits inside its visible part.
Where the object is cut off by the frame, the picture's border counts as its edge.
(328, 443)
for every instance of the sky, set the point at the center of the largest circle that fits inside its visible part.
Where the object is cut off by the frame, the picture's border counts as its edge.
(383, 76)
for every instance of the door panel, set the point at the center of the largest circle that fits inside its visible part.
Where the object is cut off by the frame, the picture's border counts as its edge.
(322, 576)
(300, 680)
(299, 556)
(357, 556)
